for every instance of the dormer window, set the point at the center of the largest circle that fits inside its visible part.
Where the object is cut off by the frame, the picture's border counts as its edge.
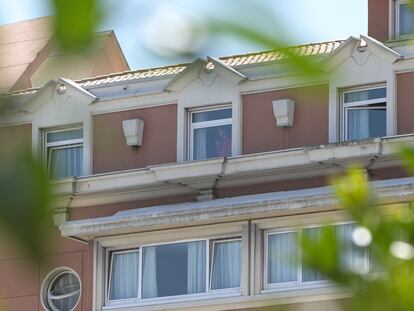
(64, 152)
(404, 19)
(210, 133)
(364, 113)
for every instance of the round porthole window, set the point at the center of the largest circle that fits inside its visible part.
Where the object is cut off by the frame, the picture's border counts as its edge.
(61, 290)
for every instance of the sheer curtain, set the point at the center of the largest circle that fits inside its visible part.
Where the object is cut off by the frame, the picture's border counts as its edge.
(227, 265)
(282, 257)
(200, 144)
(352, 257)
(358, 124)
(149, 273)
(124, 277)
(66, 162)
(310, 275)
(196, 270)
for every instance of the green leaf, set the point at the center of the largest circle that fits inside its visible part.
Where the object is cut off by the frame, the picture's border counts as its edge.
(75, 23)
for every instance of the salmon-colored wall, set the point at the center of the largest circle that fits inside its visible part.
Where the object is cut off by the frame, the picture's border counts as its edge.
(18, 136)
(310, 127)
(405, 103)
(378, 19)
(159, 145)
(24, 278)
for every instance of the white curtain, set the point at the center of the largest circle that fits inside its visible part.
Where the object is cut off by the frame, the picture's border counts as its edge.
(196, 270)
(149, 273)
(200, 144)
(124, 277)
(66, 162)
(282, 257)
(358, 124)
(310, 275)
(227, 265)
(352, 257)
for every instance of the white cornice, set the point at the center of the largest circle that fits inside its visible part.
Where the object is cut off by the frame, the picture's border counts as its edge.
(199, 176)
(224, 210)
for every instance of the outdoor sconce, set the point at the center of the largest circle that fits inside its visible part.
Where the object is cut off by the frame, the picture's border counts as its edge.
(133, 131)
(284, 109)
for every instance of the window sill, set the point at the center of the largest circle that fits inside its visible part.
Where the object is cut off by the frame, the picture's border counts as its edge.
(162, 301)
(215, 302)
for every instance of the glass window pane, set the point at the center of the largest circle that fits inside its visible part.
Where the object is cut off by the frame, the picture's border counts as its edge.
(352, 257)
(124, 276)
(366, 123)
(406, 19)
(64, 135)
(65, 162)
(212, 142)
(227, 265)
(365, 95)
(282, 265)
(64, 292)
(211, 115)
(174, 269)
(310, 275)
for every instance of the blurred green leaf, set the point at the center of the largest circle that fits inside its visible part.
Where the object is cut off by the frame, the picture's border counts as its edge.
(75, 23)
(25, 203)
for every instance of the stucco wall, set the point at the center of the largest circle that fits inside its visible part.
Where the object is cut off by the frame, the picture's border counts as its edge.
(310, 127)
(110, 151)
(378, 19)
(24, 278)
(405, 103)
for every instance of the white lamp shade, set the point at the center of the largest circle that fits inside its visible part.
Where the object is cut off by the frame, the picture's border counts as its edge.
(133, 131)
(283, 110)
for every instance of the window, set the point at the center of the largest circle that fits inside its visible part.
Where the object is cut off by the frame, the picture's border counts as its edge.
(61, 290)
(404, 19)
(64, 152)
(283, 262)
(174, 269)
(210, 133)
(364, 113)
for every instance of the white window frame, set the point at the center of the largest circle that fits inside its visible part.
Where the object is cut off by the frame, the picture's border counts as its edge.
(63, 144)
(211, 233)
(206, 124)
(345, 107)
(396, 23)
(288, 286)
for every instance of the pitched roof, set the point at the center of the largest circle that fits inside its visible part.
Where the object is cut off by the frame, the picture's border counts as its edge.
(232, 61)
(20, 44)
(235, 61)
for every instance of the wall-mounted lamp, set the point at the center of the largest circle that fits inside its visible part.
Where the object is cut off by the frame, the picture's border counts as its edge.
(133, 131)
(284, 109)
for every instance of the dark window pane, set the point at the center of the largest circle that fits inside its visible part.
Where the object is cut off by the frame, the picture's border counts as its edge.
(212, 142)
(174, 269)
(211, 115)
(64, 135)
(365, 95)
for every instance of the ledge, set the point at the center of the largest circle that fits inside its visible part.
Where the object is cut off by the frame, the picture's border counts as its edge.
(198, 177)
(225, 210)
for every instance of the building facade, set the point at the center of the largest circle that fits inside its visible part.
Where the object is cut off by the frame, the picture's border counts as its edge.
(193, 183)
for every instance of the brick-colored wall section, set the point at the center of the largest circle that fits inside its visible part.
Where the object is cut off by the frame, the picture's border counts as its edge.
(110, 151)
(24, 278)
(310, 127)
(405, 103)
(378, 19)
